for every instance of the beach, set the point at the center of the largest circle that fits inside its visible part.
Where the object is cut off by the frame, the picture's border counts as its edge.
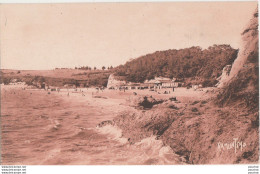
(51, 127)
(90, 126)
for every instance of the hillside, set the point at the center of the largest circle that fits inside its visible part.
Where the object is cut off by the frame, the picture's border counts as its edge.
(194, 64)
(58, 77)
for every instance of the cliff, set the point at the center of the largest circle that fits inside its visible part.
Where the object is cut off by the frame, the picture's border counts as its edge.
(241, 87)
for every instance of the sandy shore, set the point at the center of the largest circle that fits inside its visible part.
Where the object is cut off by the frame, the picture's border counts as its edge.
(51, 127)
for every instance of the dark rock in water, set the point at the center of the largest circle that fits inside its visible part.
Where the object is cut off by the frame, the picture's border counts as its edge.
(105, 123)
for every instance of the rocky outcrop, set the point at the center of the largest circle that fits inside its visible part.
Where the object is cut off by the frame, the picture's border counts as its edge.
(114, 81)
(248, 52)
(224, 76)
(241, 86)
(194, 132)
(144, 102)
(247, 55)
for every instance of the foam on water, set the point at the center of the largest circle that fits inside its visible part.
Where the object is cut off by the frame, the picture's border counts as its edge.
(113, 133)
(157, 153)
(147, 151)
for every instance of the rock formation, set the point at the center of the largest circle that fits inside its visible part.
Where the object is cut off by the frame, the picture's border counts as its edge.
(249, 47)
(114, 82)
(241, 86)
(224, 76)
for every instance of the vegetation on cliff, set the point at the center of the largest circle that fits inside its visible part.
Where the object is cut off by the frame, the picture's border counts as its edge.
(194, 64)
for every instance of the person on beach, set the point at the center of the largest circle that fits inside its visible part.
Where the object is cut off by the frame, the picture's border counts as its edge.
(82, 93)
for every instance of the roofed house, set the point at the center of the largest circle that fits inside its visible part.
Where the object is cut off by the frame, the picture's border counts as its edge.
(153, 83)
(163, 82)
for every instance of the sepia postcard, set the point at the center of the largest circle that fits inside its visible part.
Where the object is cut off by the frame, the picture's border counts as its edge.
(147, 83)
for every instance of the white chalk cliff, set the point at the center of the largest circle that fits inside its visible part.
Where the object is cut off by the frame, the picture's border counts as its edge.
(247, 50)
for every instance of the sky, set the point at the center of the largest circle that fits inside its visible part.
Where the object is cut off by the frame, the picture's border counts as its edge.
(48, 36)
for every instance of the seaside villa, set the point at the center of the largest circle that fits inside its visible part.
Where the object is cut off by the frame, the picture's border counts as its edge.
(118, 82)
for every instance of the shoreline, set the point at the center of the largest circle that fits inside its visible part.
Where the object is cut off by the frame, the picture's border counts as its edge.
(188, 126)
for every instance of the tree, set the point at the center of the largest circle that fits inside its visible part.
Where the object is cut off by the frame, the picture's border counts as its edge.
(189, 64)
(103, 67)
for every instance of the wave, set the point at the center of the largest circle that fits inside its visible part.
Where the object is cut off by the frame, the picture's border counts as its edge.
(113, 133)
(157, 152)
(148, 151)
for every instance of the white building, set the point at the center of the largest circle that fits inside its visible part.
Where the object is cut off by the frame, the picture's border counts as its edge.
(163, 82)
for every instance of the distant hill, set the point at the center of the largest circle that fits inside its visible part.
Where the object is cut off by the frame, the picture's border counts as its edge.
(57, 77)
(194, 64)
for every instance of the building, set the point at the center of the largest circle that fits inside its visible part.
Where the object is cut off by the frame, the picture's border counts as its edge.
(17, 83)
(131, 85)
(153, 83)
(163, 82)
(195, 87)
(118, 82)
